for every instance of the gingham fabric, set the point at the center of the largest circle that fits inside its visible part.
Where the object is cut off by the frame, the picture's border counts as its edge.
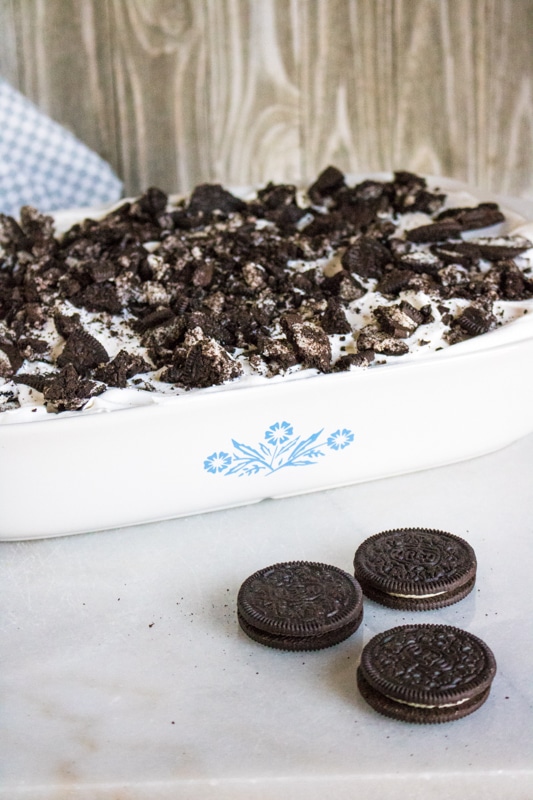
(44, 165)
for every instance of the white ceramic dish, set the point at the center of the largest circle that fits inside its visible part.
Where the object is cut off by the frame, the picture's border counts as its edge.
(209, 450)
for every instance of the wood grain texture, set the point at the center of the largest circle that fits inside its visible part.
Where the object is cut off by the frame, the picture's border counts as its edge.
(465, 90)
(174, 92)
(253, 96)
(62, 64)
(159, 68)
(347, 82)
(8, 43)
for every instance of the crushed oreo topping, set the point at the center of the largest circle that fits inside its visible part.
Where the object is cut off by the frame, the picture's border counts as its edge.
(172, 296)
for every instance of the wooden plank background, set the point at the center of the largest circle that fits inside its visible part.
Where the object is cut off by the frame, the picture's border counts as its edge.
(174, 92)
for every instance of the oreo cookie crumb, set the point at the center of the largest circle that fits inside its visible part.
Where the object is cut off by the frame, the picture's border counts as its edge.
(68, 391)
(310, 342)
(475, 321)
(122, 367)
(396, 321)
(379, 341)
(82, 351)
(367, 257)
(361, 359)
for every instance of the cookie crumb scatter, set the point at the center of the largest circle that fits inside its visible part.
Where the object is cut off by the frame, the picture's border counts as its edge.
(171, 296)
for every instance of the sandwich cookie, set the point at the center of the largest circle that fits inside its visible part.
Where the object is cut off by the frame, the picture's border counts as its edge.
(300, 605)
(415, 569)
(426, 673)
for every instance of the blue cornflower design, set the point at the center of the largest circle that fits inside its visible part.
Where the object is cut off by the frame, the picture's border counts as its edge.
(217, 462)
(278, 433)
(340, 439)
(282, 449)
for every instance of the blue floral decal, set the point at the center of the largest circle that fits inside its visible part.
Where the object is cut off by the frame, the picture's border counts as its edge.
(280, 448)
(217, 462)
(340, 439)
(278, 433)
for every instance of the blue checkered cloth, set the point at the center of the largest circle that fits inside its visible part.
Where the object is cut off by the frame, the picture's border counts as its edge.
(44, 165)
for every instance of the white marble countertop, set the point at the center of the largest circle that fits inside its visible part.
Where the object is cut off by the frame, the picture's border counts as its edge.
(125, 676)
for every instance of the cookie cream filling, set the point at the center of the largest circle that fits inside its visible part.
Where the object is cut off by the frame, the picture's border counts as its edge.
(421, 705)
(414, 596)
(381, 328)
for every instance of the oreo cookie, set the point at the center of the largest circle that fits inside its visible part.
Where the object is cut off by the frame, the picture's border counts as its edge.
(415, 569)
(426, 673)
(300, 605)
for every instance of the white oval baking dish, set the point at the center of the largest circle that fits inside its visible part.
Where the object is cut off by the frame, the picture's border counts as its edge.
(211, 449)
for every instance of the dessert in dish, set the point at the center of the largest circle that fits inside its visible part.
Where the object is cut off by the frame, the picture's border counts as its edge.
(157, 296)
(257, 344)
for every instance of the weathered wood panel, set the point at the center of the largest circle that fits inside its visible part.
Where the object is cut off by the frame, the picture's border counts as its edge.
(173, 92)
(465, 90)
(253, 96)
(439, 87)
(159, 69)
(8, 43)
(205, 91)
(347, 84)
(62, 64)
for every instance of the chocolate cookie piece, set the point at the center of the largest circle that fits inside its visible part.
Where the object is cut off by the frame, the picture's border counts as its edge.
(333, 320)
(83, 351)
(471, 218)
(300, 605)
(426, 673)
(346, 362)
(201, 363)
(210, 197)
(68, 391)
(124, 366)
(475, 321)
(397, 320)
(310, 342)
(415, 569)
(370, 338)
(328, 182)
(367, 257)
(420, 261)
(464, 253)
(495, 248)
(434, 232)
(344, 286)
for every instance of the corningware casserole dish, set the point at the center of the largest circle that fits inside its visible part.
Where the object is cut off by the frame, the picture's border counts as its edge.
(220, 447)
